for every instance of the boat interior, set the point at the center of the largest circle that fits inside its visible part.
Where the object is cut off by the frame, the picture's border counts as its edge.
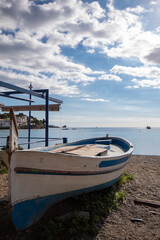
(99, 147)
(90, 150)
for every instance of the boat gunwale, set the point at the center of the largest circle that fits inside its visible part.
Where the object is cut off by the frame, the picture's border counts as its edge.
(40, 149)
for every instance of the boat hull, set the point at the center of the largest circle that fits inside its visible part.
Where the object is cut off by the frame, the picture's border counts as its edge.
(41, 178)
(25, 214)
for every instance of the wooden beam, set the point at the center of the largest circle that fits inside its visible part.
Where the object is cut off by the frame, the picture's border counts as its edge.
(151, 203)
(52, 107)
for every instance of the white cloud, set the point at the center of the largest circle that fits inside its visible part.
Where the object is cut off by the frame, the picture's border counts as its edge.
(95, 100)
(110, 77)
(144, 71)
(153, 2)
(60, 23)
(154, 83)
(128, 108)
(136, 10)
(60, 87)
(148, 76)
(127, 38)
(154, 56)
(117, 33)
(91, 51)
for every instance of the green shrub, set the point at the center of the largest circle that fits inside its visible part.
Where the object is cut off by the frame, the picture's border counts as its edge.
(126, 177)
(19, 148)
(3, 168)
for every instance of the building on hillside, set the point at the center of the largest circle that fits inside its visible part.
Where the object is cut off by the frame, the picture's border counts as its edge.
(4, 123)
(21, 121)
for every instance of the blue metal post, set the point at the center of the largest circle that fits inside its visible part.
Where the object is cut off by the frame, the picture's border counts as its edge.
(29, 121)
(47, 118)
(18, 98)
(65, 140)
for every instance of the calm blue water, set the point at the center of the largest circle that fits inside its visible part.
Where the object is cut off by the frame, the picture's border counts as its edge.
(146, 142)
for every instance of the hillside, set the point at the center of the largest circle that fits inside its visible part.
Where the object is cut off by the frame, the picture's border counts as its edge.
(22, 121)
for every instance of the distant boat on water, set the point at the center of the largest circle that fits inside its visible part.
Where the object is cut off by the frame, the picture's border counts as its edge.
(65, 127)
(148, 127)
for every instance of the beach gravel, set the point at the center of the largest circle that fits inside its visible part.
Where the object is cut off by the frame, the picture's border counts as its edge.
(136, 221)
(3, 185)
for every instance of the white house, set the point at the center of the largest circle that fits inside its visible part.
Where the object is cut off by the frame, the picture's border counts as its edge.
(21, 121)
(4, 123)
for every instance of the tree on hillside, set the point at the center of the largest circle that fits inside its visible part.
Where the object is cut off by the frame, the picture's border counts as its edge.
(4, 115)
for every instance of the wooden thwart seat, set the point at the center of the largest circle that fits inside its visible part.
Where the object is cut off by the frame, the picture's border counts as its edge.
(83, 150)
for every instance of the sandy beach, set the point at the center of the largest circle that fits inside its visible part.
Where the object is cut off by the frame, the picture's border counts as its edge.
(130, 221)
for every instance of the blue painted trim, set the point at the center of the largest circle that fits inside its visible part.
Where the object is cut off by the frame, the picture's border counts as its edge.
(47, 118)
(121, 143)
(29, 120)
(65, 174)
(17, 98)
(26, 213)
(109, 163)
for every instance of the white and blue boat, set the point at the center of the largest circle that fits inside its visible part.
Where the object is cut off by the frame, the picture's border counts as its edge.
(41, 177)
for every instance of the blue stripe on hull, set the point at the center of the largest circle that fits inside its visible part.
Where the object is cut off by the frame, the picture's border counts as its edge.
(26, 213)
(109, 163)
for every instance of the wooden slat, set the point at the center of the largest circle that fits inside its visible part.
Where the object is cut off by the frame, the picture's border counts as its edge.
(89, 150)
(66, 149)
(83, 150)
(52, 107)
(151, 203)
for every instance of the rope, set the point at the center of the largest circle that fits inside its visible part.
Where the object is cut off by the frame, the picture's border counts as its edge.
(60, 124)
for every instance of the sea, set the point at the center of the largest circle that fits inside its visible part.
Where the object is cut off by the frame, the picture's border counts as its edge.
(145, 141)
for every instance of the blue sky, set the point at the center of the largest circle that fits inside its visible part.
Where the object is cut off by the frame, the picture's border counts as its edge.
(102, 58)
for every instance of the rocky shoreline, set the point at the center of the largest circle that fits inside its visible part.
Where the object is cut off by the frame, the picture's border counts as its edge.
(130, 221)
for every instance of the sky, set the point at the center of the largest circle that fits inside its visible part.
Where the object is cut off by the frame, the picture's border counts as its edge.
(101, 58)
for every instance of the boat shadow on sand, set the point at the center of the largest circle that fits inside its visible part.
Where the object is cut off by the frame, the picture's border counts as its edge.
(74, 218)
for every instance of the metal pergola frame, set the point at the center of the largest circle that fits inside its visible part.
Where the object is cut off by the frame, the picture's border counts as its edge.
(40, 93)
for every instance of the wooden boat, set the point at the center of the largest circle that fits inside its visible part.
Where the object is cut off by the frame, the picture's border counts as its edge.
(41, 177)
